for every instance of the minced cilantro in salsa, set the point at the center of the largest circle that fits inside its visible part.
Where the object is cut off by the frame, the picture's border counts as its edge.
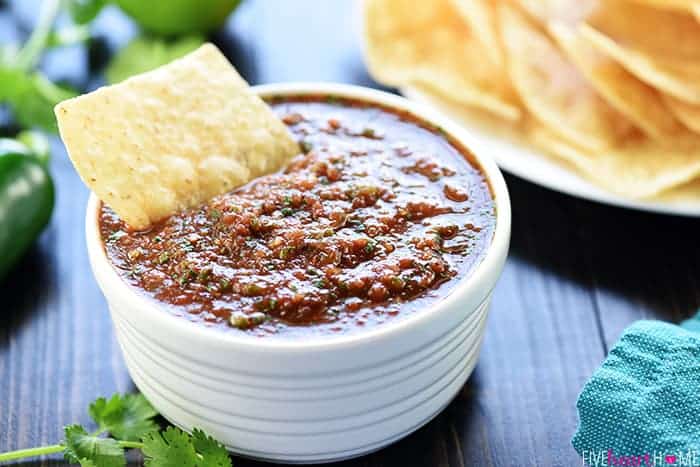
(377, 217)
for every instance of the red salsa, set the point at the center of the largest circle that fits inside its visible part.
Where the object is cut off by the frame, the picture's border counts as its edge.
(378, 217)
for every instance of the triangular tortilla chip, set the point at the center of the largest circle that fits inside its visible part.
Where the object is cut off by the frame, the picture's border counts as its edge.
(670, 35)
(638, 101)
(639, 169)
(429, 43)
(685, 6)
(687, 113)
(659, 46)
(685, 193)
(172, 138)
(680, 5)
(553, 90)
(681, 80)
(564, 11)
(480, 15)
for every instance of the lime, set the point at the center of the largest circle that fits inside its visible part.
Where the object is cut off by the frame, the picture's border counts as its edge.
(172, 17)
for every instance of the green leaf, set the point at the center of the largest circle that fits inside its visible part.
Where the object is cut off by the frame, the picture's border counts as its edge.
(31, 97)
(170, 448)
(175, 448)
(90, 451)
(213, 453)
(127, 417)
(33, 104)
(84, 11)
(145, 53)
(12, 82)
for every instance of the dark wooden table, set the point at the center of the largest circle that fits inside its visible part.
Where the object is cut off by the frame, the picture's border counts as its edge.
(577, 274)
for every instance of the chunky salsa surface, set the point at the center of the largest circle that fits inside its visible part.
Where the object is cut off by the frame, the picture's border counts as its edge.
(377, 218)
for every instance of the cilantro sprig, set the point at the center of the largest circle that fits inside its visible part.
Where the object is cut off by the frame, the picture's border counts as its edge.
(175, 447)
(127, 417)
(127, 421)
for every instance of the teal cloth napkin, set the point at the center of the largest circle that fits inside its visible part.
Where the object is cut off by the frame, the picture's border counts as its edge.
(642, 406)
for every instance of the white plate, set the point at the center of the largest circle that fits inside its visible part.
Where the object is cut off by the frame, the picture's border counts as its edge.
(531, 165)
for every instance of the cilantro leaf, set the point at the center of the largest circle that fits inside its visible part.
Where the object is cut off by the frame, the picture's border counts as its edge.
(89, 450)
(127, 417)
(174, 447)
(130, 414)
(170, 448)
(213, 453)
(145, 53)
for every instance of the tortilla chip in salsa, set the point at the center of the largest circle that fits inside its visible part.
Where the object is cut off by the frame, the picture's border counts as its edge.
(172, 138)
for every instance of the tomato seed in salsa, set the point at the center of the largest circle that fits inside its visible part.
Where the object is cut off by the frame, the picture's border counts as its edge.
(376, 218)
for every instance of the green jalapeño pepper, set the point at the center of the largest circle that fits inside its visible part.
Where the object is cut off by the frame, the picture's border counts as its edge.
(26, 198)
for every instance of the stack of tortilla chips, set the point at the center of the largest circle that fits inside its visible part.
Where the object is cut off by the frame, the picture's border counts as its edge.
(609, 87)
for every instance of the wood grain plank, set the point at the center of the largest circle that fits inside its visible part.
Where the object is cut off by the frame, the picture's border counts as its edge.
(646, 268)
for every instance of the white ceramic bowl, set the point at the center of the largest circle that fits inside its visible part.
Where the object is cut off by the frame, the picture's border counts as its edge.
(320, 399)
